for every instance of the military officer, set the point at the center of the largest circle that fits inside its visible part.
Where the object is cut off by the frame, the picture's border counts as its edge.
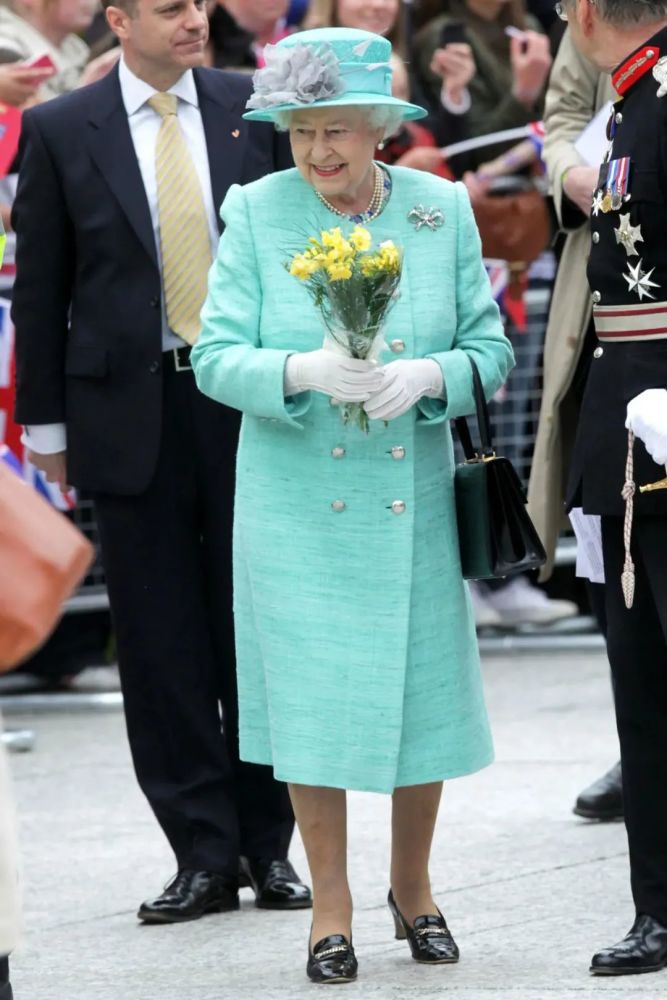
(625, 393)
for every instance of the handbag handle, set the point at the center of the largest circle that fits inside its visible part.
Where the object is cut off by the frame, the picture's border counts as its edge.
(483, 422)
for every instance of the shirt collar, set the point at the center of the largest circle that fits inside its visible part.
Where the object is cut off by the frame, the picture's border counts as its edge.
(639, 62)
(136, 92)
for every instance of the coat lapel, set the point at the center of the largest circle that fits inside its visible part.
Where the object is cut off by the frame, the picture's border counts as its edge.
(112, 150)
(226, 134)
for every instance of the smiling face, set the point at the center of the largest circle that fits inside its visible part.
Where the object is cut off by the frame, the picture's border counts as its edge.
(333, 149)
(161, 38)
(378, 16)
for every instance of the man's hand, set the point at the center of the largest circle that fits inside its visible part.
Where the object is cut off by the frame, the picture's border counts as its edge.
(579, 184)
(99, 67)
(455, 64)
(531, 62)
(647, 418)
(53, 466)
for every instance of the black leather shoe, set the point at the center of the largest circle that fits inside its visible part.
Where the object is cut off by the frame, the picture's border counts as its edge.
(603, 800)
(5, 985)
(643, 949)
(189, 896)
(429, 937)
(275, 883)
(332, 960)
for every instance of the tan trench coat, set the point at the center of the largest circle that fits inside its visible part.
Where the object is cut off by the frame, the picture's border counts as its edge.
(576, 91)
(9, 910)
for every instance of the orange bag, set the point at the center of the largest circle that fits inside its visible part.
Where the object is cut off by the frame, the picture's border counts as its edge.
(42, 559)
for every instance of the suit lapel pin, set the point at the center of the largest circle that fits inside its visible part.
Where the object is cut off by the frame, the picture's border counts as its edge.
(236, 133)
(431, 217)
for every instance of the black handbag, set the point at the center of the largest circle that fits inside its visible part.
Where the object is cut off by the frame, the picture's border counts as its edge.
(496, 536)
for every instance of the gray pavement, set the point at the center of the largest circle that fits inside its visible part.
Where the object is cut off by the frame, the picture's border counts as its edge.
(528, 890)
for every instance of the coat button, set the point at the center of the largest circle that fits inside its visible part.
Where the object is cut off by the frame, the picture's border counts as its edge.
(398, 507)
(155, 301)
(618, 117)
(397, 346)
(598, 352)
(337, 452)
(597, 297)
(398, 452)
(154, 367)
(596, 237)
(338, 505)
(333, 401)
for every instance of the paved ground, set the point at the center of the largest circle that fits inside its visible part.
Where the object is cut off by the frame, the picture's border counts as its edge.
(529, 891)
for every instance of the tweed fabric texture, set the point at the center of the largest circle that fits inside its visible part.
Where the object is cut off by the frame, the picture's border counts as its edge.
(358, 664)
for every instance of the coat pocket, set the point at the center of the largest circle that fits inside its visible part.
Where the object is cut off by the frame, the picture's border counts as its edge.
(87, 361)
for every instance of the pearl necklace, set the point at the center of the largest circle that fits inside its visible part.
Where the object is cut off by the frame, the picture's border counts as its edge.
(374, 207)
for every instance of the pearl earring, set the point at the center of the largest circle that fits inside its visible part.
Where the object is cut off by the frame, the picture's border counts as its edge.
(381, 145)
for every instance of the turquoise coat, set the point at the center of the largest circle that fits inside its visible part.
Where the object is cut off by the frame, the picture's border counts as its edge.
(358, 664)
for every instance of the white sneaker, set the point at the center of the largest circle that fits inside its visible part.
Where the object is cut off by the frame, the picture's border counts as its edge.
(520, 603)
(485, 615)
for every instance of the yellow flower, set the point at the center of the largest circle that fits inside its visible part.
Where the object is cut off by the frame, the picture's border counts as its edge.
(371, 264)
(339, 272)
(302, 267)
(390, 256)
(360, 238)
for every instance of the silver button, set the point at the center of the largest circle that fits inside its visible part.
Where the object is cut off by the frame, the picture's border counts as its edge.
(597, 297)
(338, 505)
(398, 452)
(397, 346)
(650, 53)
(618, 117)
(598, 352)
(398, 507)
(337, 452)
(596, 237)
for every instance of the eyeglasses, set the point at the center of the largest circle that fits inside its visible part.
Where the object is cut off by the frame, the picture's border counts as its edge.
(560, 11)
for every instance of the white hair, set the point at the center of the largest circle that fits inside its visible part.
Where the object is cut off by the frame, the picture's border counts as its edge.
(380, 116)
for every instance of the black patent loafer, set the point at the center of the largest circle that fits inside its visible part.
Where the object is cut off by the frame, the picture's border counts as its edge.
(429, 937)
(332, 960)
(603, 800)
(189, 896)
(643, 949)
(276, 885)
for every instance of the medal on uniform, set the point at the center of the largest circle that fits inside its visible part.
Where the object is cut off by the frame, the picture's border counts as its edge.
(616, 185)
(597, 202)
(639, 281)
(628, 235)
(660, 74)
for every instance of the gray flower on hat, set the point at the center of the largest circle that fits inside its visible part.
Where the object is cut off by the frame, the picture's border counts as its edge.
(296, 74)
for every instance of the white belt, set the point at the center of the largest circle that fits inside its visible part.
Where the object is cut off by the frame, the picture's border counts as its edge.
(644, 321)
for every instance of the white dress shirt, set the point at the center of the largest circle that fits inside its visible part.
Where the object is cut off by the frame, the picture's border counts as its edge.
(144, 125)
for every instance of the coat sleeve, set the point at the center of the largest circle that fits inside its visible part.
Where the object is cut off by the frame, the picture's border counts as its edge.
(43, 288)
(479, 331)
(229, 362)
(569, 107)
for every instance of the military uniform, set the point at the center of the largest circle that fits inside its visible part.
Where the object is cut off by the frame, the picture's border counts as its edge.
(627, 272)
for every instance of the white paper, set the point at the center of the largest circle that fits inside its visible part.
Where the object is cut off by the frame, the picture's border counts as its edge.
(592, 144)
(587, 528)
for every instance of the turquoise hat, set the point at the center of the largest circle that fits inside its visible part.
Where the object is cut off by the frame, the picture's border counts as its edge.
(325, 68)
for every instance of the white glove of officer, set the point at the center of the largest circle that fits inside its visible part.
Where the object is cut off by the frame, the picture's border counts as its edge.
(647, 417)
(404, 383)
(346, 379)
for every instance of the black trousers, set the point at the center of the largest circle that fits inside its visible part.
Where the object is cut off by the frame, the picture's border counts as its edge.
(167, 557)
(5, 985)
(637, 648)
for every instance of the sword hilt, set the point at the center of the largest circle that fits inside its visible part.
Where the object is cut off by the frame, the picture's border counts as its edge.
(661, 484)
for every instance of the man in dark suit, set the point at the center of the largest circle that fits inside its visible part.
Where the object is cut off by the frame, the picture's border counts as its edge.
(116, 221)
(625, 392)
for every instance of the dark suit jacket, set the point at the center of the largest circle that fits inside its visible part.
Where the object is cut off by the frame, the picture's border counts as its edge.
(86, 301)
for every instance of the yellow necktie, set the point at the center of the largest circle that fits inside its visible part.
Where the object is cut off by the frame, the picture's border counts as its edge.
(184, 236)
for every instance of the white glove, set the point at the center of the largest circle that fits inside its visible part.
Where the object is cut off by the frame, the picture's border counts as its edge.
(404, 383)
(647, 417)
(346, 379)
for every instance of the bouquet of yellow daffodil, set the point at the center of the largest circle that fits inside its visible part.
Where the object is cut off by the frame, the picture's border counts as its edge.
(353, 284)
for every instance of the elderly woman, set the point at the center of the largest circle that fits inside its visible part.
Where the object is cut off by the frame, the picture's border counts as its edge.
(357, 661)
